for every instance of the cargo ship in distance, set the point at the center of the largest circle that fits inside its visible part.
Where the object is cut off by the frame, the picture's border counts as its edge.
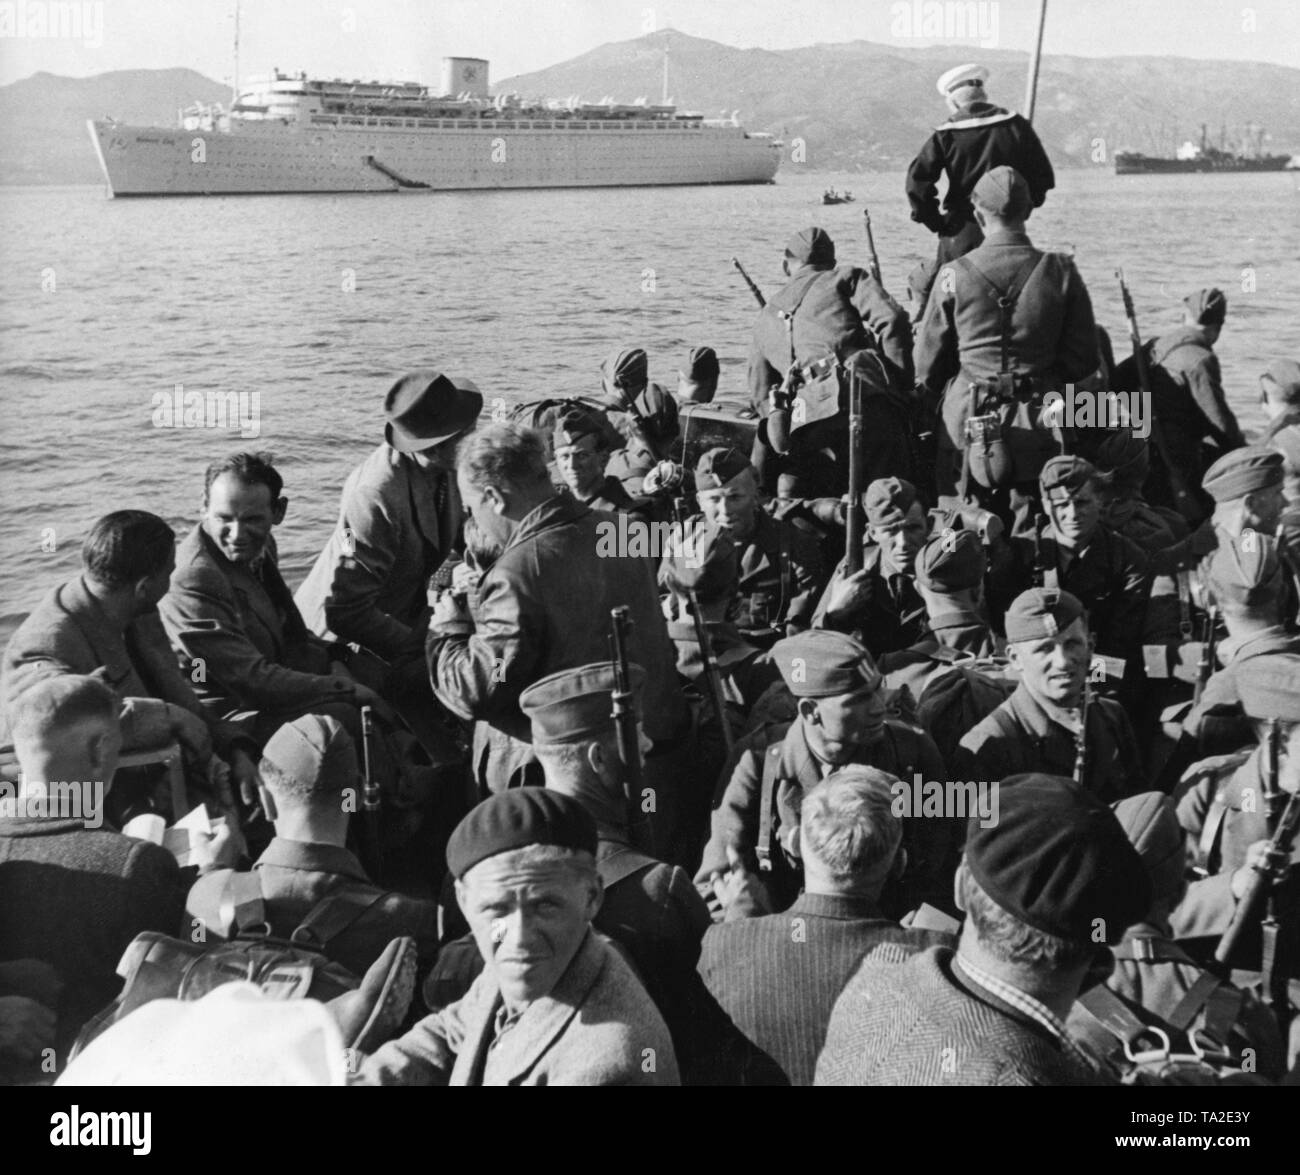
(292, 133)
(1191, 157)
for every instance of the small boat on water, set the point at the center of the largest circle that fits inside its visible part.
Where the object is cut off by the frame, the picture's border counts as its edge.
(831, 196)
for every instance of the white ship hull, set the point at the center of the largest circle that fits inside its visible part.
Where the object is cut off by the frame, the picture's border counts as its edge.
(439, 156)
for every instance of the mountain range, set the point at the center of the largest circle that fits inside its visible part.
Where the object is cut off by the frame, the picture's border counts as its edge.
(856, 106)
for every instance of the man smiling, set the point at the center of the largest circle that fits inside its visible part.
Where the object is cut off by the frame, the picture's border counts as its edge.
(555, 1004)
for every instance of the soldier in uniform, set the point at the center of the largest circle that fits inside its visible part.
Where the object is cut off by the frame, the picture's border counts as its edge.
(881, 601)
(824, 316)
(581, 456)
(841, 720)
(1123, 464)
(1226, 813)
(1280, 396)
(780, 564)
(977, 137)
(642, 411)
(1037, 727)
(1005, 325)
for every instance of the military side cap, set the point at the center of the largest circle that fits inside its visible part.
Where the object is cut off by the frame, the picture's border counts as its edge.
(1246, 570)
(1003, 192)
(574, 703)
(1286, 374)
(718, 466)
(425, 408)
(1243, 471)
(951, 562)
(576, 423)
(961, 75)
(705, 563)
(1150, 821)
(1066, 472)
(821, 663)
(811, 246)
(1208, 307)
(515, 819)
(626, 368)
(702, 366)
(1271, 687)
(314, 750)
(1057, 859)
(887, 501)
(1124, 458)
(1040, 613)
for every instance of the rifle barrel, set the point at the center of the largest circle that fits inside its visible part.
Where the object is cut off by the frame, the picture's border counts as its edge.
(749, 281)
(873, 259)
(854, 520)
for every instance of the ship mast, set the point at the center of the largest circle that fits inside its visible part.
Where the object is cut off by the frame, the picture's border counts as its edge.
(234, 85)
(665, 97)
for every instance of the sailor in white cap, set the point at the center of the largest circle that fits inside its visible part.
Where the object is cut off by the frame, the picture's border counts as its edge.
(977, 137)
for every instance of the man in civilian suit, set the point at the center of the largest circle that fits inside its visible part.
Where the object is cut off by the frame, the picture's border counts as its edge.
(778, 976)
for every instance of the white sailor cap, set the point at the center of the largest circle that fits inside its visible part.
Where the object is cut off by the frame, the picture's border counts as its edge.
(961, 75)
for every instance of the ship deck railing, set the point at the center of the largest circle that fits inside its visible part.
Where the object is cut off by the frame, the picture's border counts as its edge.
(504, 124)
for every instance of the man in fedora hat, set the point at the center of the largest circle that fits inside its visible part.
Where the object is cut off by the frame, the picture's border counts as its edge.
(399, 519)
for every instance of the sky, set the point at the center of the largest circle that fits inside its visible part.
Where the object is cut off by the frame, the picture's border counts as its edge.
(406, 39)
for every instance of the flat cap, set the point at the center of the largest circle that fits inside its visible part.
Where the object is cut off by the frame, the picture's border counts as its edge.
(716, 467)
(1057, 859)
(1246, 570)
(574, 703)
(1040, 613)
(704, 563)
(626, 368)
(951, 562)
(1003, 192)
(961, 75)
(575, 423)
(1243, 471)
(1124, 458)
(425, 408)
(1150, 821)
(315, 751)
(1271, 688)
(811, 246)
(821, 663)
(1286, 374)
(515, 819)
(1068, 473)
(887, 501)
(1208, 307)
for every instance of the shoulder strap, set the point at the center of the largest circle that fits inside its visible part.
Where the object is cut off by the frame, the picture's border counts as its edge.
(1008, 298)
(621, 864)
(1210, 832)
(242, 908)
(767, 804)
(1114, 1015)
(787, 576)
(332, 916)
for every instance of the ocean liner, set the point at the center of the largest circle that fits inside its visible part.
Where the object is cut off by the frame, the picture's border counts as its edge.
(292, 133)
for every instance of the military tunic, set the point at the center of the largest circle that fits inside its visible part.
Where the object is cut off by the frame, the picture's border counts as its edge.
(780, 576)
(893, 618)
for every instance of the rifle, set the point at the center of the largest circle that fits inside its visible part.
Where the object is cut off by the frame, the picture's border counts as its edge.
(1081, 739)
(625, 722)
(712, 674)
(873, 261)
(372, 847)
(1267, 873)
(855, 522)
(1186, 504)
(749, 281)
(1205, 666)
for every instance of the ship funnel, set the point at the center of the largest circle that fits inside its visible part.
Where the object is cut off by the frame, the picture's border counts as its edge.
(465, 75)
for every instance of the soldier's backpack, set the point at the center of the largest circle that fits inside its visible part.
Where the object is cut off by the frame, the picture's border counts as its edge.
(158, 966)
(541, 415)
(955, 699)
(1190, 1043)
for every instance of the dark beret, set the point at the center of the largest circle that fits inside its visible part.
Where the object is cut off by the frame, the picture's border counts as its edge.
(822, 663)
(1065, 472)
(811, 246)
(574, 703)
(1243, 471)
(1150, 821)
(1124, 458)
(1057, 859)
(517, 818)
(1271, 687)
(1040, 613)
(1003, 192)
(1208, 307)
(1286, 374)
(704, 563)
(1246, 569)
(951, 562)
(717, 467)
(887, 501)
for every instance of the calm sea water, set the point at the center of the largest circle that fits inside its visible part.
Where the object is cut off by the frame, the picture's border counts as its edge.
(320, 302)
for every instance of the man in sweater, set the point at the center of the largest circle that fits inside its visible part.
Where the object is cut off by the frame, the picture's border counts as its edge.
(1043, 889)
